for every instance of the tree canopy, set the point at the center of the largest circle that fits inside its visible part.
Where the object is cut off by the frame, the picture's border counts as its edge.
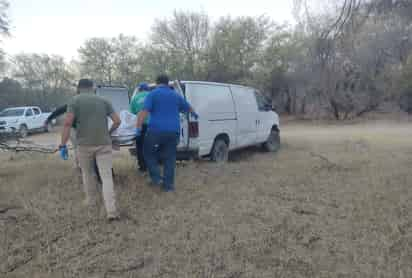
(341, 59)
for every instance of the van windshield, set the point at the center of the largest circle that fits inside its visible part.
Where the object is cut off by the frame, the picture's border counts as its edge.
(12, 112)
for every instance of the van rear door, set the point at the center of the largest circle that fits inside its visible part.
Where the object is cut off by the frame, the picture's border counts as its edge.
(184, 121)
(117, 96)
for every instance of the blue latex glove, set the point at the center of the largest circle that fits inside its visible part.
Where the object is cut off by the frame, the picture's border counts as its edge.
(194, 115)
(64, 152)
(138, 132)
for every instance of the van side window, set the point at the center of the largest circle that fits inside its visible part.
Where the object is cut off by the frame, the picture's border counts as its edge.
(262, 101)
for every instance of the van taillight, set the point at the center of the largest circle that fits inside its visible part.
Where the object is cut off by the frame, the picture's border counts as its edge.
(193, 129)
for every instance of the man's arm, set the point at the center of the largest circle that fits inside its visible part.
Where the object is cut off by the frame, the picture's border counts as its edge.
(59, 111)
(68, 122)
(116, 122)
(184, 106)
(147, 108)
(132, 106)
(141, 117)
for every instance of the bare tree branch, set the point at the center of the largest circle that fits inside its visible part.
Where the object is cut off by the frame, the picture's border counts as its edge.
(11, 142)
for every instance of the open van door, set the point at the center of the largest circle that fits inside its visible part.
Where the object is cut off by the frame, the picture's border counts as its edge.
(184, 141)
(119, 98)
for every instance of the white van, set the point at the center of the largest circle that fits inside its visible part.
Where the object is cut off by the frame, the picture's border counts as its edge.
(230, 117)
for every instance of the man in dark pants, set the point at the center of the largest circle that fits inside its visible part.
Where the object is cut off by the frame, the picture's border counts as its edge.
(136, 105)
(163, 105)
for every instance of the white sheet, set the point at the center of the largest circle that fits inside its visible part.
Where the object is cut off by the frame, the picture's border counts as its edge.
(128, 126)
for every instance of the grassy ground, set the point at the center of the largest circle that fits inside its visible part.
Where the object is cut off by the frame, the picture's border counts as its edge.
(336, 201)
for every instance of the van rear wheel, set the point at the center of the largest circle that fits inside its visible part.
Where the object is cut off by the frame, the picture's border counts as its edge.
(220, 151)
(273, 142)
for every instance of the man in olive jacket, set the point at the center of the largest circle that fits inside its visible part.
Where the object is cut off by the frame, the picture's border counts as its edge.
(94, 143)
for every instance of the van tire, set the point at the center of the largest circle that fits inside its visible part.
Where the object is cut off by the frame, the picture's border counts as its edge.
(220, 151)
(273, 142)
(23, 131)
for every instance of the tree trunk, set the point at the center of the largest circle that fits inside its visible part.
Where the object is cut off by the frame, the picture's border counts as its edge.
(288, 104)
(367, 109)
(335, 109)
(303, 106)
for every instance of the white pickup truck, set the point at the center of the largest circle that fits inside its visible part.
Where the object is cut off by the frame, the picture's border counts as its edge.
(23, 120)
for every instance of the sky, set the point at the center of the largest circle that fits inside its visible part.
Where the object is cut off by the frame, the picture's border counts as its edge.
(61, 26)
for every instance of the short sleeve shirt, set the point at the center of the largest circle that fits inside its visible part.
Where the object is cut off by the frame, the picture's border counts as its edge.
(137, 103)
(164, 106)
(91, 112)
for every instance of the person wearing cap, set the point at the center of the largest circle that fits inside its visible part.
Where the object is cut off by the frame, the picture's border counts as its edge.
(163, 105)
(136, 105)
(94, 143)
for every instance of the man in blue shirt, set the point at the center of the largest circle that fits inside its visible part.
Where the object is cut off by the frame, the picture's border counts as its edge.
(164, 106)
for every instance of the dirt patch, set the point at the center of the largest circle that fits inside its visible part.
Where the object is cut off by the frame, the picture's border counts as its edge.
(334, 202)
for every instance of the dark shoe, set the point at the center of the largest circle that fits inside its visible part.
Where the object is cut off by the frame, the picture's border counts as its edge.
(113, 217)
(142, 173)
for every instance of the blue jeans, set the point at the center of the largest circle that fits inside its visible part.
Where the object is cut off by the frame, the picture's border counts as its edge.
(161, 145)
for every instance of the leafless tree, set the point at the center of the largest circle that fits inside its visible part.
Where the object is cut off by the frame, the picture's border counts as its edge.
(185, 36)
(48, 77)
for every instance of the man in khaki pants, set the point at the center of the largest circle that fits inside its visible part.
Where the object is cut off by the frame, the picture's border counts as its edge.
(94, 143)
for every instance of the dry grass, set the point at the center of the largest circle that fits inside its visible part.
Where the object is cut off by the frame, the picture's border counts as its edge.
(335, 202)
